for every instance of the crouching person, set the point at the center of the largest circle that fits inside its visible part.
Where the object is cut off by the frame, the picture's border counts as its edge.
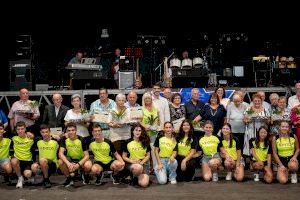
(74, 156)
(23, 153)
(137, 154)
(260, 149)
(5, 144)
(48, 161)
(165, 153)
(104, 154)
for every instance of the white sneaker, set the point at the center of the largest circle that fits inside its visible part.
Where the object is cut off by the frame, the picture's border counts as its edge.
(228, 176)
(20, 182)
(294, 178)
(215, 177)
(256, 177)
(173, 182)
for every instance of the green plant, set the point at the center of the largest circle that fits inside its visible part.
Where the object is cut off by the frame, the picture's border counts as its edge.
(34, 104)
(151, 120)
(250, 112)
(84, 111)
(277, 112)
(118, 115)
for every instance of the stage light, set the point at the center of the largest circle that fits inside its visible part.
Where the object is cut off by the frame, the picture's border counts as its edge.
(155, 41)
(163, 42)
(147, 41)
(104, 33)
(228, 39)
(139, 42)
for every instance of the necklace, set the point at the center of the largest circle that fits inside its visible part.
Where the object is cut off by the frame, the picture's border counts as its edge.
(213, 112)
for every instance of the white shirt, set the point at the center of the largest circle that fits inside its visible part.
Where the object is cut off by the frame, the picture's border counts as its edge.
(164, 111)
(293, 101)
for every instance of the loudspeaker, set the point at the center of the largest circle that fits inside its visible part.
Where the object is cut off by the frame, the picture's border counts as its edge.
(126, 79)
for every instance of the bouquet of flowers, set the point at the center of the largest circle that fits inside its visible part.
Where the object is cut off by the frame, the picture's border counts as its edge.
(198, 125)
(276, 114)
(28, 107)
(85, 114)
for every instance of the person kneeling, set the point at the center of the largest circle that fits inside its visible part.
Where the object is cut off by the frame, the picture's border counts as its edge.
(48, 161)
(103, 150)
(137, 154)
(73, 156)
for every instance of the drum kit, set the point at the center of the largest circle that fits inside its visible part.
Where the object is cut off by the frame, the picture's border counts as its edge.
(187, 63)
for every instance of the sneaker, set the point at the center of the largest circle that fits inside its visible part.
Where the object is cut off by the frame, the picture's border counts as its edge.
(20, 182)
(115, 179)
(31, 180)
(69, 181)
(256, 177)
(294, 178)
(173, 182)
(85, 179)
(47, 183)
(228, 176)
(215, 177)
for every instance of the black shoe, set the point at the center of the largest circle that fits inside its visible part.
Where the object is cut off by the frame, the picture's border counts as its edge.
(99, 179)
(85, 179)
(69, 181)
(116, 179)
(47, 183)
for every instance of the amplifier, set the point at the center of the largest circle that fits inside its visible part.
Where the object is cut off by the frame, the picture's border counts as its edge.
(84, 74)
(196, 72)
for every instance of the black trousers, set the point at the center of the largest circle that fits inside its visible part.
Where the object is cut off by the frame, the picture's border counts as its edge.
(188, 174)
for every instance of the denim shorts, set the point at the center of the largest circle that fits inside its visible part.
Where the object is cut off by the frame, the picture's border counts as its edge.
(4, 161)
(206, 159)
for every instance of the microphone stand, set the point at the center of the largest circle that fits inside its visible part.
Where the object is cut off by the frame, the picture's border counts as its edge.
(159, 66)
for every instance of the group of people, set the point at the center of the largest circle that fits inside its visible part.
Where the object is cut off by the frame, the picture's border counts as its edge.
(161, 136)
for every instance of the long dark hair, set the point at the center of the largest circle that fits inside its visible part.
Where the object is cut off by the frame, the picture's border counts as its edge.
(267, 141)
(230, 135)
(181, 133)
(144, 138)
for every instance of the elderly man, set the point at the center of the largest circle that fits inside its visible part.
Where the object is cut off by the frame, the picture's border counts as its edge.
(168, 94)
(131, 100)
(295, 100)
(54, 114)
(103, 104)
(24, 110)
(274, 97)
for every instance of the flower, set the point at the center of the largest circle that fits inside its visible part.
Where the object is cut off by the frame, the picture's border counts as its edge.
(118, 115)
(85, 113)
(277, 112)
(250, 112)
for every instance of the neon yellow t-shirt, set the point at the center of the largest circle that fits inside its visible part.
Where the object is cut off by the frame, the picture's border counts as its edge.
(22, 148)
(261, 151)
(184, 149)
(209, 145)
(285, 146)
(103, 151)
(75, 148)
(232, 152)
(136, 150)
(48, 150)
(166, 146)
(4, 148)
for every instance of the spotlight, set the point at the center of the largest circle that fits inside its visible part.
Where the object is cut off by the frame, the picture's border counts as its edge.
(228, 39)
(155, 41)
(147, 41)
(163, 42)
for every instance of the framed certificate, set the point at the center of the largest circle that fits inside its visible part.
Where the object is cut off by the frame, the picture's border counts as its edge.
(100, 117)
(57, 131)
(136, 113)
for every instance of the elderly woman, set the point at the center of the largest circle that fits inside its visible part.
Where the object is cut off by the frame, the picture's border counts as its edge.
(279, 113)
(235, 117)
(76, 116)
(255, 116)
(177, 111)
(117, 121)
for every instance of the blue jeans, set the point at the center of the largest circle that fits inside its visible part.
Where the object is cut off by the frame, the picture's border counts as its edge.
(169, 168)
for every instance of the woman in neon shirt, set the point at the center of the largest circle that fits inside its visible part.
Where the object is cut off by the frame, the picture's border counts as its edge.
(137, 153)
(285, 152)
(260, 149)
(209, 146)
(187, 144)
(231, 153)
(165, 153)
